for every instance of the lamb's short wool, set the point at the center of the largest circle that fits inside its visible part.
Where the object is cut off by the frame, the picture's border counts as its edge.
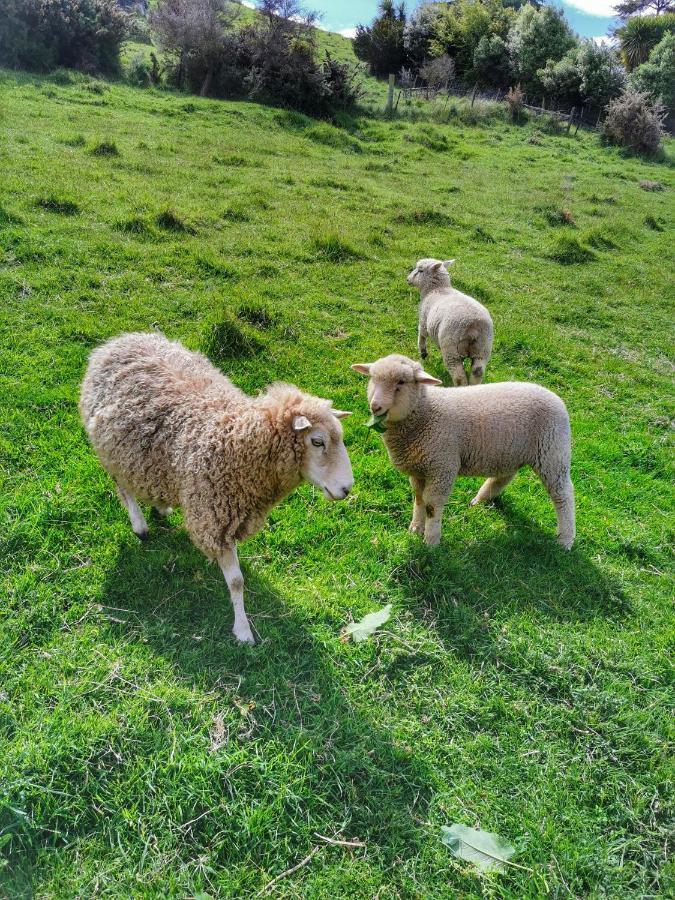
(173, 431)
(461, 326)
(434, 434)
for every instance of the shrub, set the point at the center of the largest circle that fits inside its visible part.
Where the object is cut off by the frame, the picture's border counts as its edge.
(635, 122)
(538, 35)
(491, 60)
(515, 100)
(40, 35)
(343, 83)
(138, 71)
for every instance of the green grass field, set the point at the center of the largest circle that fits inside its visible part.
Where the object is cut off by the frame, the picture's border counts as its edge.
(517, 687)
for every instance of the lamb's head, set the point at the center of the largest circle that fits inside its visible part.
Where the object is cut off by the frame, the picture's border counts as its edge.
(395, 385)
(429, 274)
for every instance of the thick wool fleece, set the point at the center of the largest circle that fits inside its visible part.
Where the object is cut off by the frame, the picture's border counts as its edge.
(460, 326)
(173, 431)
(490, 429)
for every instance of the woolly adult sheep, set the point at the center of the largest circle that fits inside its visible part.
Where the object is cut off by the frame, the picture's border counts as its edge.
(434, 434)
(173, 431)
(461, 326)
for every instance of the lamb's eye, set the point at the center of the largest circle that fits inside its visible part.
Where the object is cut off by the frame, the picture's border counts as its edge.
(400, 383)
(317, 442)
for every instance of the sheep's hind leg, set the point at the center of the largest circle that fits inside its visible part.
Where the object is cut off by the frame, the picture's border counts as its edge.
(561, 492)
(229, 563)
(492, 487)
(419, 514)
(136, 517)
(456, 369)
(477, 370)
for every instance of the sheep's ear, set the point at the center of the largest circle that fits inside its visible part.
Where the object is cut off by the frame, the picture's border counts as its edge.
(448, 262)
(363, 368)
(436, 266)
(300, 423)
(340, 413)
(423, 378)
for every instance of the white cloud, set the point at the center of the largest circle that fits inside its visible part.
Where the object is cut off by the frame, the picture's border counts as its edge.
(348, 32)
(248, 3)
(594, 7)
(604, 40)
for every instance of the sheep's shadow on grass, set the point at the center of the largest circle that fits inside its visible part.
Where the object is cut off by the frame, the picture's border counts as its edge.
(168, 596)
(523, 570)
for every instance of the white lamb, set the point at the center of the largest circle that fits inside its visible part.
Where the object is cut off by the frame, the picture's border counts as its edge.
(434, 434)
(173, 431)
(461, 326)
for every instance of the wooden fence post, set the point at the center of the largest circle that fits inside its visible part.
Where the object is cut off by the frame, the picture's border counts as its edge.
(571, 116)
(473, 93)
(390, 95)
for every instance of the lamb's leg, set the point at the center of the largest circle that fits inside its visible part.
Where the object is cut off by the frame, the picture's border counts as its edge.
(136, 517)
(422, 343)
(419, 514)
(492, 487)
(562, 495)
(435, 497)
(456, 369)
(477, 370)
(229, 563)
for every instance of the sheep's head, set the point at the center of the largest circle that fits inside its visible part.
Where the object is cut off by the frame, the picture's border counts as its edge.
(395, 385)
(429, 274)
(325, 461)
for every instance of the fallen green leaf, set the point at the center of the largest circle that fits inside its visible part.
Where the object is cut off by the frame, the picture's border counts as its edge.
(377, 423)
(485, 849)
(359, 631)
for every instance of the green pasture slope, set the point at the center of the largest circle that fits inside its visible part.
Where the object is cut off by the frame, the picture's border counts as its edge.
(517, 687)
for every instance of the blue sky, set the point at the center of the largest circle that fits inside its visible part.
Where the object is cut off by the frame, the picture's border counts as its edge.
(589, 18)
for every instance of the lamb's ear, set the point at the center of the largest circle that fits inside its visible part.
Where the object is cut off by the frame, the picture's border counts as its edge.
(363, 368)
(448, 262)
(436, 266)
(340, 413)
(300, 423)
(423, 378)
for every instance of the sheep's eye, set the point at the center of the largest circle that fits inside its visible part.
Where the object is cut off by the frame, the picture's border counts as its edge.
(400, 383)
(317, 442)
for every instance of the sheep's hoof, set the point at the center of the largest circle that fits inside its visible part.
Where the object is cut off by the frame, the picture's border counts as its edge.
(432, 540)
(416, 527)
(475, 501)
(566, 542)
(243, 633)
(142, 535)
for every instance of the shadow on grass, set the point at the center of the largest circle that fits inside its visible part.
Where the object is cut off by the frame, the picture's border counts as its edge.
(521, 571)
(354, 778)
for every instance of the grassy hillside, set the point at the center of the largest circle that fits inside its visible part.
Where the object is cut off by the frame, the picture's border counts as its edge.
(517, 687)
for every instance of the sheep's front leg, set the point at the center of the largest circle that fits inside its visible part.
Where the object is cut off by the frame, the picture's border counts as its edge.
(435, 496)
(229, 563)
(136, 517)
(419, 515)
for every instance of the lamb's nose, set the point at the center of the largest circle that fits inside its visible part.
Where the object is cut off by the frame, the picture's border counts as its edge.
(344, 491)
(376, 409)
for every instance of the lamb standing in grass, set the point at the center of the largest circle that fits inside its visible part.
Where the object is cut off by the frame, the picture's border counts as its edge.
(173, 431)
(461, 326)
(434, 434)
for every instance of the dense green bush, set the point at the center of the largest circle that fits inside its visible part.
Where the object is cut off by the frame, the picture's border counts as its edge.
(40, 35)
(639, 36)
(657, 75)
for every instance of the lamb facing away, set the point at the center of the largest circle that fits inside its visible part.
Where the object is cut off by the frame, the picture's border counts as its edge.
(434, 434)
(461, 326)
(173, 431)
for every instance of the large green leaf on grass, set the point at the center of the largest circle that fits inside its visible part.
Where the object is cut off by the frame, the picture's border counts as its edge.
(485, 849)
(377, 423)
(359, 631)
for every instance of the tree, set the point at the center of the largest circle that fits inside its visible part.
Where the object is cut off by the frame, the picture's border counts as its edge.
(657, 75)
(561, 79)
(602, 77)
(640, 35)
(194, 32)
(381, 44)
(419, 31)
(537, 36)
(491, 61)
(640, 7)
